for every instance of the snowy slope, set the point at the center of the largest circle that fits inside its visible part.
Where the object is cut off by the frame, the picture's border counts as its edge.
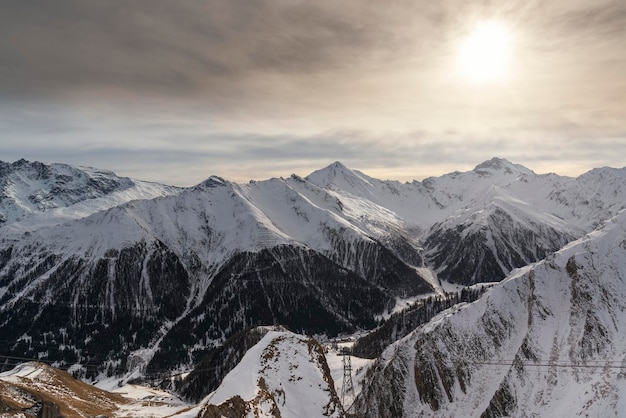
(411, 202)
(34, 194)
(218, 218)
(477, 226)
(284, 375)
(205, 226)
(495, 233)
(581, 202)
(548, 341)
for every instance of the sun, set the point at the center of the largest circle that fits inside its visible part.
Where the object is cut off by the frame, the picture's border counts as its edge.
(484, 55)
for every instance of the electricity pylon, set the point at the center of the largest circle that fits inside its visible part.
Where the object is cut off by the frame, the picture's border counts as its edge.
(347, 388)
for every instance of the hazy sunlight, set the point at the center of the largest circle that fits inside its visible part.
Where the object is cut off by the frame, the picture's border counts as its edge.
(485, 53)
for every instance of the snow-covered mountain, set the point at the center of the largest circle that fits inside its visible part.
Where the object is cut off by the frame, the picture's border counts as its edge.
(547, 341)
(154, 284)
(477, 226)
(283, 375)
(34, 194)
(495, 233)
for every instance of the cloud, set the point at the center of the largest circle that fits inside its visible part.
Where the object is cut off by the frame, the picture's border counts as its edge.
(602, 21)
(186, 159)
(165, 47)
(186, 47)
(256, 89)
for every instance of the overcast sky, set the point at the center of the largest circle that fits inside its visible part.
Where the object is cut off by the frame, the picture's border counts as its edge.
(175, 91)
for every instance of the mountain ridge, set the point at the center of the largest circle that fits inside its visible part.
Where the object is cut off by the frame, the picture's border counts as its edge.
(200, 264)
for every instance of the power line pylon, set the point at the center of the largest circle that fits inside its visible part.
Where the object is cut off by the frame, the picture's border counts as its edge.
(347, 388)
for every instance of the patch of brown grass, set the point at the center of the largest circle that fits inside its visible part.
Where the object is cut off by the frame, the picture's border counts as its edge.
(74, 398)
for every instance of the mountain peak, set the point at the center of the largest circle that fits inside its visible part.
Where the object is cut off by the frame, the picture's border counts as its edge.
(333, 169)
(338, 165)
(327, 176)
(497, 164)
(20, 162)
(213, 181)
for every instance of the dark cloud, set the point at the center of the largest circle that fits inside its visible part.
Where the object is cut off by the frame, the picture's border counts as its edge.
(182, 47)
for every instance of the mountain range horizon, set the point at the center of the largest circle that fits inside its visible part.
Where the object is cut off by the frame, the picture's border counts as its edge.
(496, 160)
(110, 277)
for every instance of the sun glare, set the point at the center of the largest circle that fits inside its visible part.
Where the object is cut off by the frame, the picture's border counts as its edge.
(485, 53)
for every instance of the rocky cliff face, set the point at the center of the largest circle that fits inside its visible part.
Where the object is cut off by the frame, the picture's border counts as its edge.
(549, 340)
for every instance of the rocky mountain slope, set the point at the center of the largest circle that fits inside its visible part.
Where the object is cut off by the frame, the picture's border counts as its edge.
(152, 285)
(37, 390)
(548, 341)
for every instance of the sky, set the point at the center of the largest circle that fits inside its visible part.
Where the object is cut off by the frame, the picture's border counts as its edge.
(176, 91)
